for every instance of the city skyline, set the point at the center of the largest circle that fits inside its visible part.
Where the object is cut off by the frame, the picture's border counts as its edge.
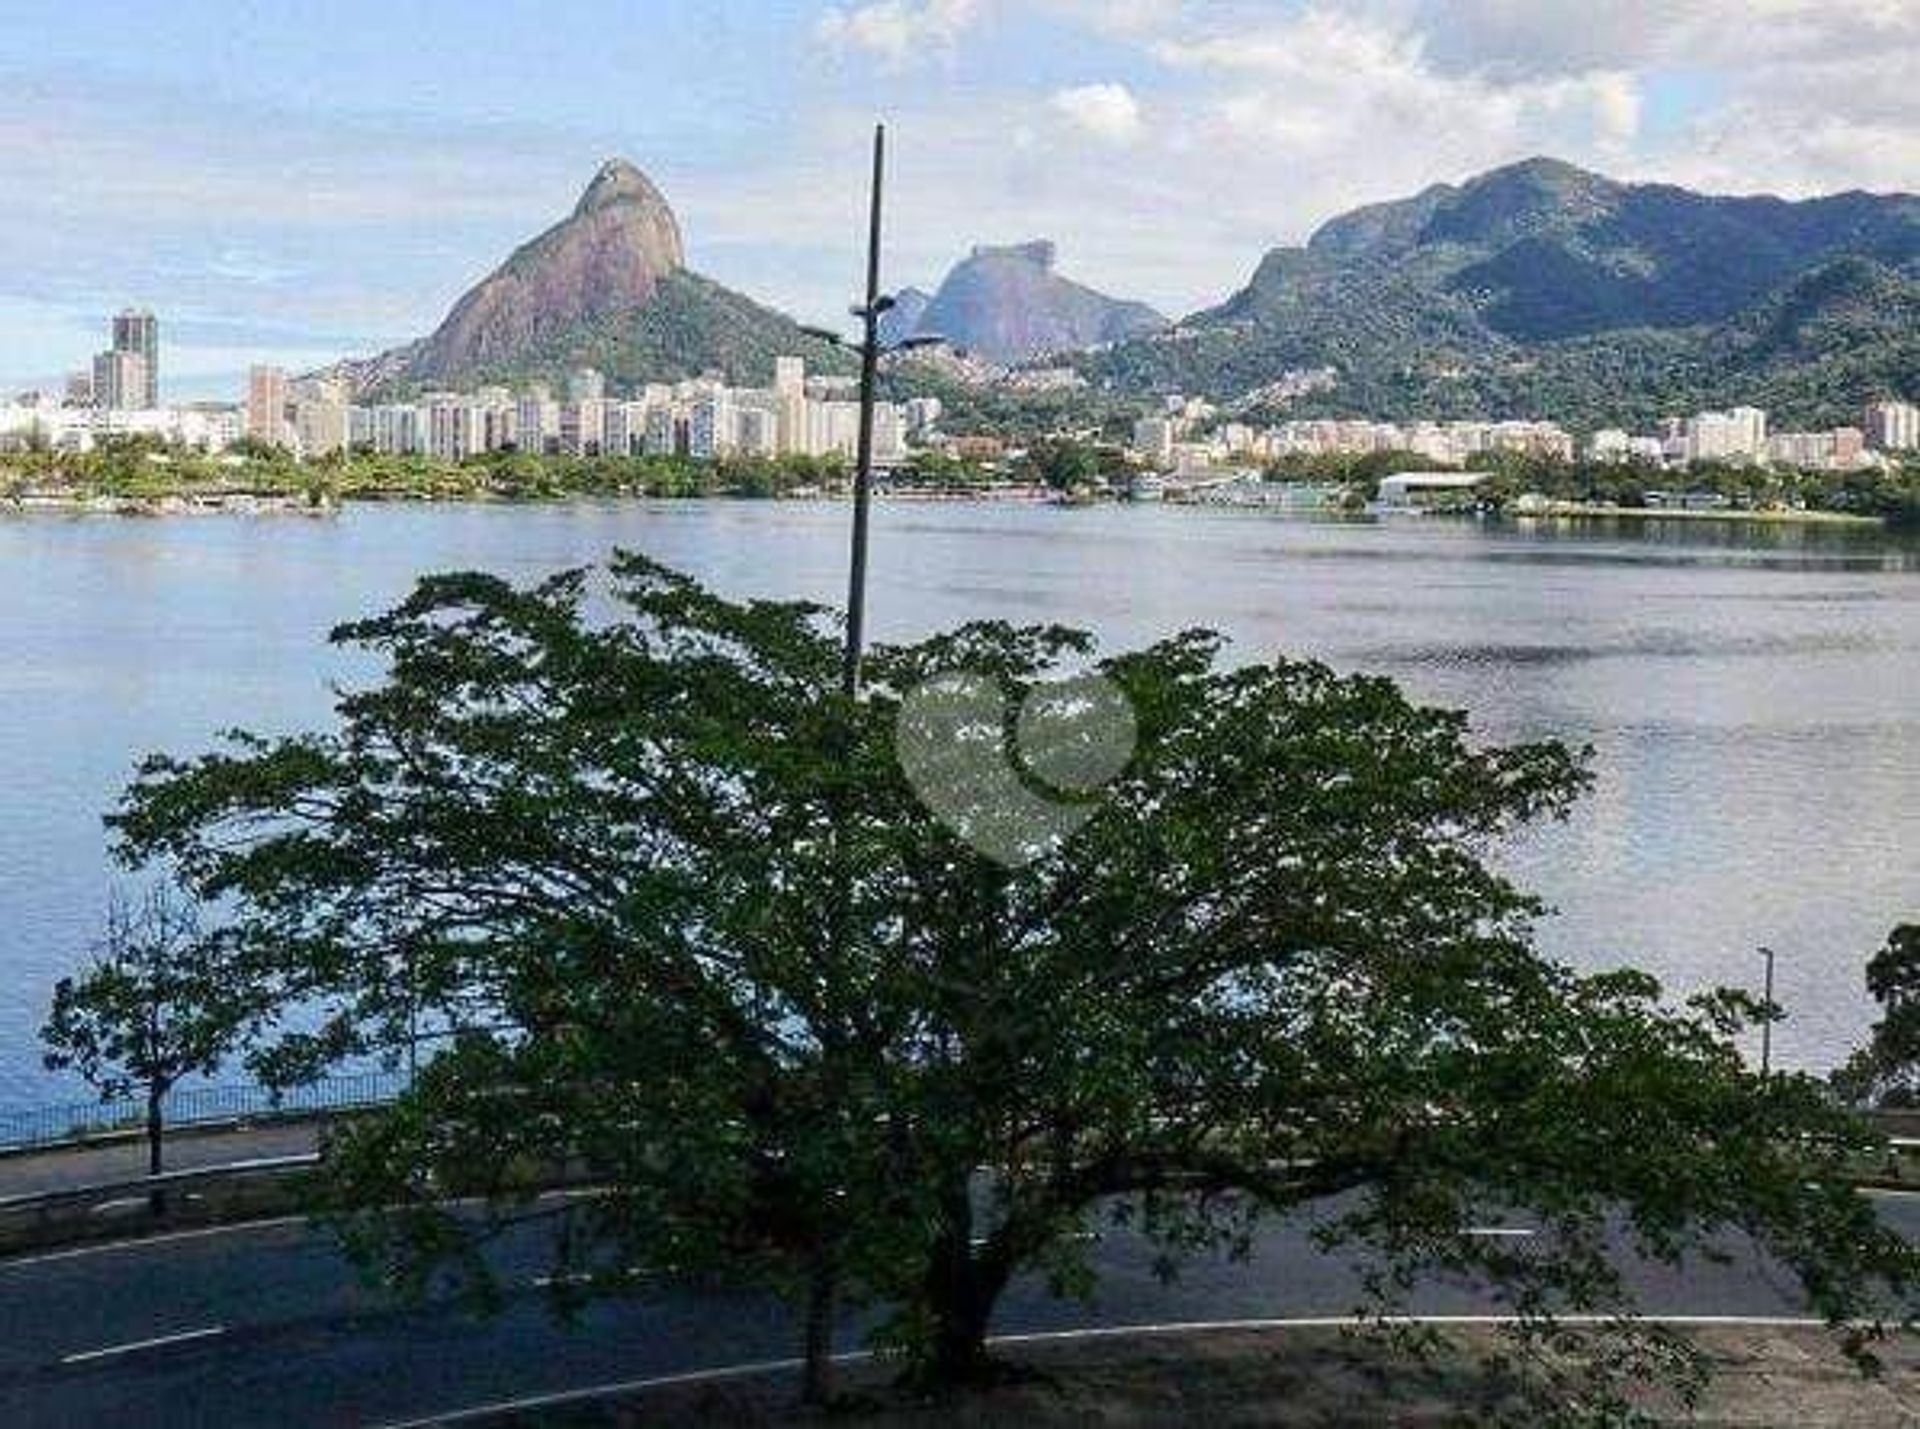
(275, 208)
(709, 417)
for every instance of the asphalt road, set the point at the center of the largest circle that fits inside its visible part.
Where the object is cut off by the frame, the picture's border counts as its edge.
(267, 1325)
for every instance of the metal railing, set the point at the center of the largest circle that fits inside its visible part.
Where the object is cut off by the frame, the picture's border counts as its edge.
(194, 1106)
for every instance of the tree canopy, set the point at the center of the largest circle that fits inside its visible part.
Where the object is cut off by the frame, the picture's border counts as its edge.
(692, 933)
(158, 1004)
(1887, 1069)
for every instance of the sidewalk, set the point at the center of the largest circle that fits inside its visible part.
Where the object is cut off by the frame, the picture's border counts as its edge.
(99, 1163)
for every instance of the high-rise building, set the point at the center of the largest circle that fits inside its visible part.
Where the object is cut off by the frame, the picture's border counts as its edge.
(537, 421)
(321, 428)
(759, 431)
(1893, 426)
(586, 384)
(138, 332)
(1153, 439)
(1726, 436)
(711, 431)
(119, 381)
(267, 406)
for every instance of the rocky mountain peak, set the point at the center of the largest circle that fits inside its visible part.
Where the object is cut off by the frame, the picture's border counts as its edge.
(1040, 252)
(619, 181)
(606, 286)
(1007, 303)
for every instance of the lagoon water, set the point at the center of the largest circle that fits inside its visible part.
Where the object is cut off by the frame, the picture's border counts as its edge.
(1751, 694)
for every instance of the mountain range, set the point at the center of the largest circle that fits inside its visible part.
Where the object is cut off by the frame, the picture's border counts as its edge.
(1542, 289)
(1536, 289)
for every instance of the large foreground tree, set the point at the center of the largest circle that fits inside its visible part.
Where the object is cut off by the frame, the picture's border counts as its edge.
(1188, 944)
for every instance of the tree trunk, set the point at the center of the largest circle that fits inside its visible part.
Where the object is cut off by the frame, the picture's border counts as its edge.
(960, 1339)
(961, 1291)
(156, 1198)
(822, 1299)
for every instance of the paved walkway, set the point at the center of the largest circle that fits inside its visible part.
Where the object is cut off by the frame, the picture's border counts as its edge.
(26, 1173)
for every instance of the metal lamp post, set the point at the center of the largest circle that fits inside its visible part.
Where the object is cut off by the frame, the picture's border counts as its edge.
(875, 307)
(869, 314)
(1766, 1027)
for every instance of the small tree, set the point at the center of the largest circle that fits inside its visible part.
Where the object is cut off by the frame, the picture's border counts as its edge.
(1887, 1070)
(155, 1006)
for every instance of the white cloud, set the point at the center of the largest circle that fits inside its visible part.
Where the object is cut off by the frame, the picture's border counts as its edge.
(1108, 112)
(1266, 121)
(898, 30)
(1251, 120)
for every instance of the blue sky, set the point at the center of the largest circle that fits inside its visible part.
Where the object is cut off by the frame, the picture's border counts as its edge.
(301, 180)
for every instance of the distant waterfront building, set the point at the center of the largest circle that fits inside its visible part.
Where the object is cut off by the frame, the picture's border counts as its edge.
(833, 428)
(664, 435)
(758, 431)
(1413, 490)
(138, 332)
(923, 415)
(120, 382)
(712, 431)
(321, 428)
(703, 417)
(1609, 444)
(538, 421)
(1736, 435)
(267, 400)
(1153, 439)
(79, 389)
(1840, 449)
(41, 421)
(1892, 426)
(583, 425)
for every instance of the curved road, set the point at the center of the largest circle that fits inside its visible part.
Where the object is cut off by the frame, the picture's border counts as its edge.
(266, 1325)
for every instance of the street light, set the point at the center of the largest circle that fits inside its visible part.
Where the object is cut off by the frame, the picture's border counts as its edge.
(876, 306)
(1766, 1027)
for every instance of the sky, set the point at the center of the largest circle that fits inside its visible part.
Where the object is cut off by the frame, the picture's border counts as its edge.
(300, 180)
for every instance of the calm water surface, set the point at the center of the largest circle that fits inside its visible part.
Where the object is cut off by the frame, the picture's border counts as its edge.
(1752, 695)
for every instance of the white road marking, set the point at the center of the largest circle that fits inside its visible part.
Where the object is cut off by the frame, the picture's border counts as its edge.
(125, 1203)
(82, 1356)
(1102, 1332)
(588, 1277)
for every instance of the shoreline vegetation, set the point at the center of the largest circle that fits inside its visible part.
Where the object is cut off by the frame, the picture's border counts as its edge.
(1574, 511)
(144, 478)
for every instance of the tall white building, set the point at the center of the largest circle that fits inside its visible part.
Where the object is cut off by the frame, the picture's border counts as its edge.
(321, 428)
(138, 332)
(711, 432)
(538, 421)
(1736, 435)
(1153, 439)
(120, 382)
(1892, 426)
